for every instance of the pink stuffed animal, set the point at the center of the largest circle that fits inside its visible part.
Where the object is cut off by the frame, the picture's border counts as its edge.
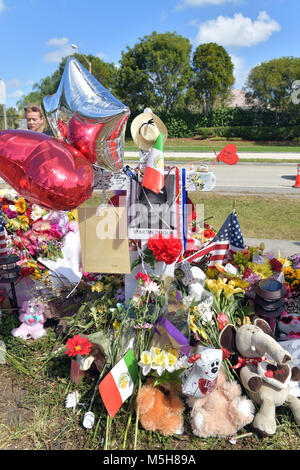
(32, 321)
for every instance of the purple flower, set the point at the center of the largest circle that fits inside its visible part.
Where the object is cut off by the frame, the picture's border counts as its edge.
(119, 295)
(252, 278)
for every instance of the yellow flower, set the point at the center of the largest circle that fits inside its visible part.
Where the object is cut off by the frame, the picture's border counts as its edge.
(262, 270)
(158, 357)
(297, 274)
(116, 325)
(214, 287)
(13, 224)
(238, 283)
(73, 215)
(24, 221)
(172, 358)
(98, 287)
(246, 320)
(146, 358)
(211, 273)
(294, 284)
(20, 205)
(229, 291)
(289, 272)
(198, 330)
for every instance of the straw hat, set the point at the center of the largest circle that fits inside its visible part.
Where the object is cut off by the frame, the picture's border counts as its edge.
(145, 129)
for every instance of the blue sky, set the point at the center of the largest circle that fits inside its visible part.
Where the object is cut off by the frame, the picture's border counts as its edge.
(36, 34)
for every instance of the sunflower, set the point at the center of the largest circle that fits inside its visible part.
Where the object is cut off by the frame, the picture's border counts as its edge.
(21, 205)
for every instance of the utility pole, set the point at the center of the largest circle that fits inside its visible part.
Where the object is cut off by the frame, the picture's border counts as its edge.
(3, 100)
(87, 61)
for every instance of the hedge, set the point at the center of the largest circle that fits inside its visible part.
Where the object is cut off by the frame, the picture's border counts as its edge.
(250, 124)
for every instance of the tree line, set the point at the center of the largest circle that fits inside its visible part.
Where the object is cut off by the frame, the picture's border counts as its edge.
(162, 72)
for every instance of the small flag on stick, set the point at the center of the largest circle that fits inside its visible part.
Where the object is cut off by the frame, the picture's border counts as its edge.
(3, 237)
(119, 383)
(154, 172)
(227, 241)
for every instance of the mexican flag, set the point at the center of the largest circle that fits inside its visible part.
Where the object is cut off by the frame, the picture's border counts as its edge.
(154, 171)
(119, 383)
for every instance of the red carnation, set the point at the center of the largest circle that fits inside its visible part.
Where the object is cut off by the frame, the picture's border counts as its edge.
(165, 249)
(78, 345)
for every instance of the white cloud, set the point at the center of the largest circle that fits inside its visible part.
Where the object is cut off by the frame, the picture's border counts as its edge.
(64, 48)
(13, 83)
(202, 3)
(16, 94)
(240, 71)
(237, 31)
(101, 56)
(2, 6)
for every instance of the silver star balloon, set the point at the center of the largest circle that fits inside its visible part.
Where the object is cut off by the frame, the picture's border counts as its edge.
(87, 116)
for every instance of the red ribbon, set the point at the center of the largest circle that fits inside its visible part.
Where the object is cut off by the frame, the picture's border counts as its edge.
(242, 361)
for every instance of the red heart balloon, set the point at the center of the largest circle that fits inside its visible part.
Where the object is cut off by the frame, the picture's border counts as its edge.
(44, 171)
(83, 136)
(228, 154)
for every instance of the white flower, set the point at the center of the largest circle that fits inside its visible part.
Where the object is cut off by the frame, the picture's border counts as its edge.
(145, 362)
(159, 360)
(37, 212)
(12, 195)
(151, 286)
(72, 400)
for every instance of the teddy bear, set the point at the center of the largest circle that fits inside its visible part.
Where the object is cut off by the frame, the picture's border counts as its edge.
(160, 408)
(32, 320)
(218, 408)
(264, 370)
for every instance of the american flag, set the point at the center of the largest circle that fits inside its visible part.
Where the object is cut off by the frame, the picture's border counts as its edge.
(228, 240)
(3, 246)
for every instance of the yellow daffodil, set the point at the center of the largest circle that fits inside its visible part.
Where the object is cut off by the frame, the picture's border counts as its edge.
(20, 205)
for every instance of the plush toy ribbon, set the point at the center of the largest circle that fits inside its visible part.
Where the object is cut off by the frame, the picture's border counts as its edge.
(242, 361)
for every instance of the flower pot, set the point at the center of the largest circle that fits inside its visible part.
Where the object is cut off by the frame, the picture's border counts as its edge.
(76, 373)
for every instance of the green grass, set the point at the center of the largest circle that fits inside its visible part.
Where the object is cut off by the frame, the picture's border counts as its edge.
(265, 216)
(48, 425)
(196, 145)
(273, 217)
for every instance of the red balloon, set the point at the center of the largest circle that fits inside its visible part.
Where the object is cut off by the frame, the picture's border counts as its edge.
(44, 171)
(63, 128)
(228, 154)
(84, 136)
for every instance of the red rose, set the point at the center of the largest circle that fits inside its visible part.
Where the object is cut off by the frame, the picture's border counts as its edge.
(275, 265)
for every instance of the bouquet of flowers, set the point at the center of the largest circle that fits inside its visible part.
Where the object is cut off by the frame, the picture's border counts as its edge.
(34, 232)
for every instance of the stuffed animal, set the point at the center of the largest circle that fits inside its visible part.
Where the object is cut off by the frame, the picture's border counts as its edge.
(289, 325)
(266, 378)
(32, 320)
(160, 408)
(201, 378)
(221, 412)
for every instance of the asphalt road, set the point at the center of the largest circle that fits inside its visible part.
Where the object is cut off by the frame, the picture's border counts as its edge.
(246, 177)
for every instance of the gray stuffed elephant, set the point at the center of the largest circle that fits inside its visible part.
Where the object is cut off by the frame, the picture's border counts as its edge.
(264, 371)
